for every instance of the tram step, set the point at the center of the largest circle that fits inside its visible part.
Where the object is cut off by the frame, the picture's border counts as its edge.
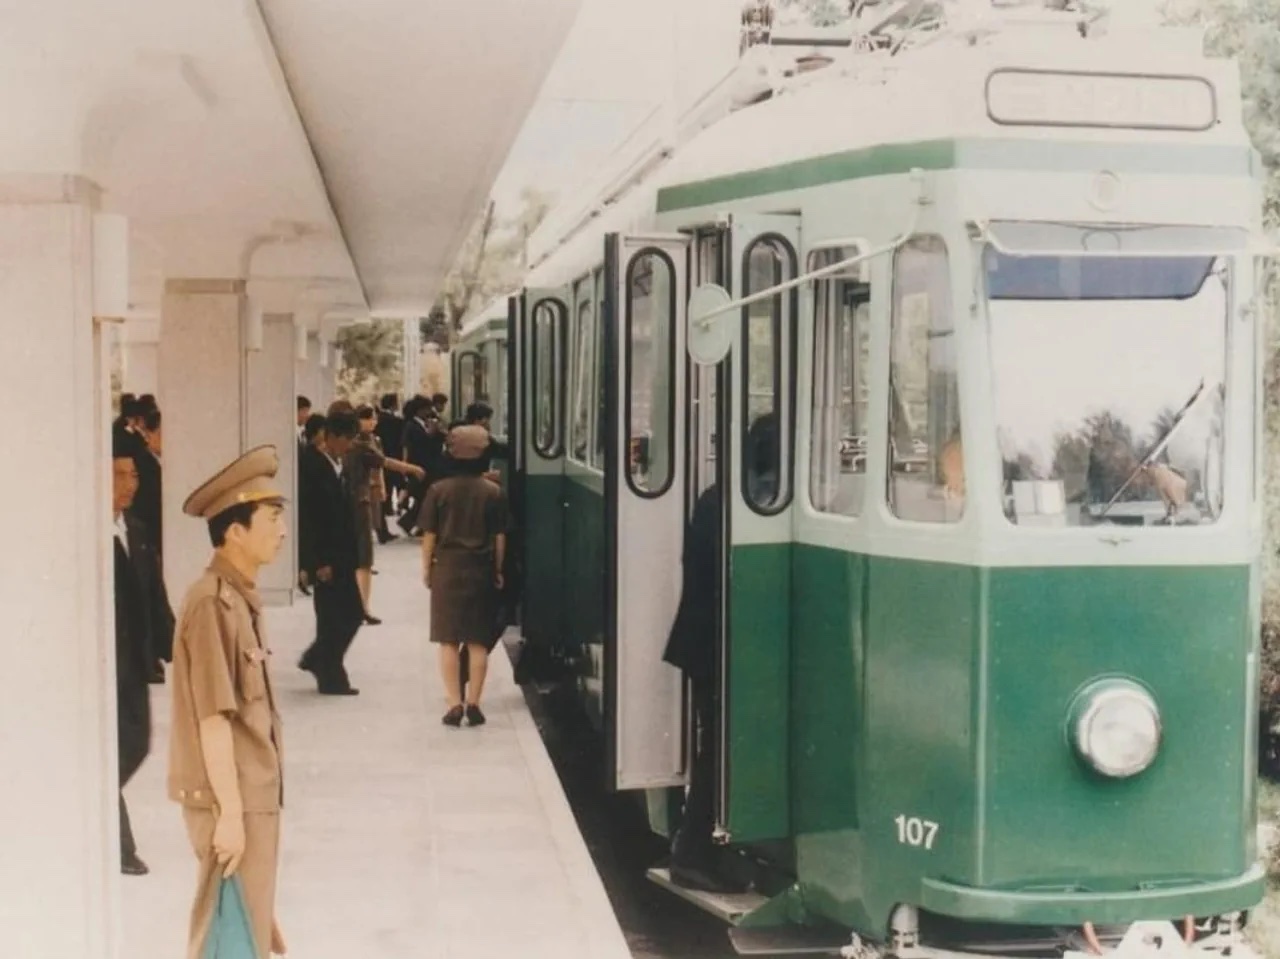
(730, 907)
(823, 940)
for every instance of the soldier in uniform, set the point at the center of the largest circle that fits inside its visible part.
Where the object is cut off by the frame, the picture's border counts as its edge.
(225, 749)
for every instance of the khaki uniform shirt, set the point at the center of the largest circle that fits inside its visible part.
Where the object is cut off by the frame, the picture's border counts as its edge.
(220, 668)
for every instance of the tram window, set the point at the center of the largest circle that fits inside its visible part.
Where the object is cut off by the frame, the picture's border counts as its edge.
(841, 358)
(468, 378)
(768, 338)
(498, 390)
(547, 387)
(650, 310)
(926, 451)
(1109, 379)
(580, 434)
(598, 424)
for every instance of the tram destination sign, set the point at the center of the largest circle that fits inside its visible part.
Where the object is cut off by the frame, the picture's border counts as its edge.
(1131, 101)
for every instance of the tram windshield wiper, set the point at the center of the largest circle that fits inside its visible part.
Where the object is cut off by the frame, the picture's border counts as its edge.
(1160, 445)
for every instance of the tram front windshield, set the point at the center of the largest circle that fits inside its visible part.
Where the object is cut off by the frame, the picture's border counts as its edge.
(1109, 379)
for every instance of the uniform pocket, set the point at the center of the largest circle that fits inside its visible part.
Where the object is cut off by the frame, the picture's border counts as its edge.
(253, 680)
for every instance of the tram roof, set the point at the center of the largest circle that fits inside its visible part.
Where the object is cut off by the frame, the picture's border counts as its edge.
(923, 108)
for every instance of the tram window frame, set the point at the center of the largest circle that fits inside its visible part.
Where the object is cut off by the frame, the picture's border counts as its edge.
(580, 420)
(939, 328)
(785, 308)
(557, 314)
(841, 371)
(666, 350)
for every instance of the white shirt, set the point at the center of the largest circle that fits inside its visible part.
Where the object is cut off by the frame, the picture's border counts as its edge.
(122, 533)
(337, 465)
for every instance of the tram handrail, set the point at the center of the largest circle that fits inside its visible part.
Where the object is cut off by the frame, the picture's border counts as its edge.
(704, 321)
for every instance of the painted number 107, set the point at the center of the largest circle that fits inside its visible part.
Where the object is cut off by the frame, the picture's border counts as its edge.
(913, 831)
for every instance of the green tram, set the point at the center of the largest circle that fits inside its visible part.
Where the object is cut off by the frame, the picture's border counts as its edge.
(990, 609)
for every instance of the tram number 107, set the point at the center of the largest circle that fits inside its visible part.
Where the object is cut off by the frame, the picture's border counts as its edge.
(913, 831)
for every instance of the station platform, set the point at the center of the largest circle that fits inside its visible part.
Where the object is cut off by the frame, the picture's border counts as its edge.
(401, 837)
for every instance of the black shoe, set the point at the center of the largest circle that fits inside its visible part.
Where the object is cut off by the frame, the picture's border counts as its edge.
(304, 591)
(453, 717)
(338, 691)
(307, 663)
(703, 879)
(131, 865)
(372, 620)
(474, 716)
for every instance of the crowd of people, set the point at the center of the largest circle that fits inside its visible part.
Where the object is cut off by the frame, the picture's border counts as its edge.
(359, 468)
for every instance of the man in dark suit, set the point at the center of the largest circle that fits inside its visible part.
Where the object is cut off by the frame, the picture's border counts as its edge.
(693, 647)
(423, 447)
(144, 635)
(329, 554)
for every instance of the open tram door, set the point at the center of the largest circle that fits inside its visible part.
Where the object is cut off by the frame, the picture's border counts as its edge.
(758, 428)
(646, 293)
(540, 358)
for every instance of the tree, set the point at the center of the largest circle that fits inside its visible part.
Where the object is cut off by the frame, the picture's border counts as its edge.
(492, 262)
(372, 359)
(819, 13)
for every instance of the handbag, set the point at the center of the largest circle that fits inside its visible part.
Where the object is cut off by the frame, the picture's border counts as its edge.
(230, 933)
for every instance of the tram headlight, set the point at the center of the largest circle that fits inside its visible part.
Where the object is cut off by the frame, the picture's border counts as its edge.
(1115, 727)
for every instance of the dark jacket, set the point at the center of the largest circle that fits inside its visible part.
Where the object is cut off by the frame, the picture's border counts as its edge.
(147, 503)
(144, 634)
(694, 641)
(326, 516)
(390, 430)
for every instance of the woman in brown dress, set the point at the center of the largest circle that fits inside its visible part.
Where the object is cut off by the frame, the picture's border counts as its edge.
(464, 542)
(363, 466)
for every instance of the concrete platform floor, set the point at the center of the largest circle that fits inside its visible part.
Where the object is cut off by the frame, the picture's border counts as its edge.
(401, 838)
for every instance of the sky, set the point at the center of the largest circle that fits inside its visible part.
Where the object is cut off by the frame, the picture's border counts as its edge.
(619, 63)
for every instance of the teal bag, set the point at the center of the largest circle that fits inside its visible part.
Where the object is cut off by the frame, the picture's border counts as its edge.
(230, 933)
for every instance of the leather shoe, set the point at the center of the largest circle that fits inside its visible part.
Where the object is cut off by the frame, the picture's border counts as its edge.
(339, 691)
(702, 879)
(131, 865)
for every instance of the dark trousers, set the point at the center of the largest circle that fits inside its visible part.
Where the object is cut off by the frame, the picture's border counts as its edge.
(339, 614)
(132, 753)
(692, 844)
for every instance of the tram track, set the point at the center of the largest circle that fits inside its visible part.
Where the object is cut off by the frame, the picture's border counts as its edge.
(656, 924)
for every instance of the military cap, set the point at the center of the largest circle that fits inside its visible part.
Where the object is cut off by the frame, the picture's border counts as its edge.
(247, 480)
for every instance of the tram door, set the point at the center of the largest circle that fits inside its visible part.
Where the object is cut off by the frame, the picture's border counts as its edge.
(755, 685)
(544, 323)
(510, 419)
(646, 294)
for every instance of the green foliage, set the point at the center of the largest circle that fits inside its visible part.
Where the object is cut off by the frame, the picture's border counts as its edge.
(1247, 30)
(372, 359)
(492, 260)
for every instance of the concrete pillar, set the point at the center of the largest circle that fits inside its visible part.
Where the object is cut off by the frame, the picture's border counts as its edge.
(309, 374)
(328, 372)
(59, 873)
(141, 367)
(202, 387)
(270, 414)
